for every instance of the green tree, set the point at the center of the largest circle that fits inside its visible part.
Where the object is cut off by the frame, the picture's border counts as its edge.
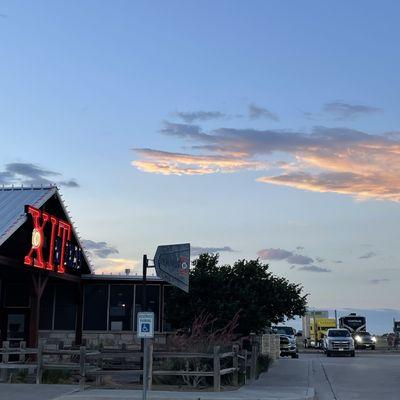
(222, 291)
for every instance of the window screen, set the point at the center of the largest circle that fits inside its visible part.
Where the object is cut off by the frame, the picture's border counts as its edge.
(153, 302)
(95, 307)
(121, 300)
(65, 312)
(46, 308)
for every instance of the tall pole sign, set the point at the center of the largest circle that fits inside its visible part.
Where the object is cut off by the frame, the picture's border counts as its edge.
(172, 263)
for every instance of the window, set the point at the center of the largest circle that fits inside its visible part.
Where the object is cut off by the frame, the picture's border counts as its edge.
(95, 307)
(153, 302)
(65, 312)
(46, 308)
(121, 299)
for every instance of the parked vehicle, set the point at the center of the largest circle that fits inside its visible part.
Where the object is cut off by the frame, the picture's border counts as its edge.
(338, 341)
(288, 345)
(364, 340)
(315, 328)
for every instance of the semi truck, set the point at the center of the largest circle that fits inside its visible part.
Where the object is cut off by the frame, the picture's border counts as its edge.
(315, 328)
(353, 323)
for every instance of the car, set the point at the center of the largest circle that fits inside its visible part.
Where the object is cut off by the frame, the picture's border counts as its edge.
(338, 341)
(288, 344)
(364, 340)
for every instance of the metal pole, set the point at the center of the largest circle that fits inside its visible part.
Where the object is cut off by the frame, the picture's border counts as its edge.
(144, 294)
(145, 367)
(144, 346)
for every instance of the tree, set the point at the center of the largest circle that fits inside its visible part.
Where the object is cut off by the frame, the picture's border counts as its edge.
(222, 291)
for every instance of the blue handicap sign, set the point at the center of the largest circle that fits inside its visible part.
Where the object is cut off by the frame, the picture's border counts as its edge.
(145, 327)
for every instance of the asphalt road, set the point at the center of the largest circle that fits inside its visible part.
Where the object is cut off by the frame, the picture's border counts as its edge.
(368, 376)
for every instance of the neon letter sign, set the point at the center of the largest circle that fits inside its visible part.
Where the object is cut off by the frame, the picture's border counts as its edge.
(59, 243)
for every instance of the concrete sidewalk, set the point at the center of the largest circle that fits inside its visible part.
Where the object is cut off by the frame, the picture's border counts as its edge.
(287, 380)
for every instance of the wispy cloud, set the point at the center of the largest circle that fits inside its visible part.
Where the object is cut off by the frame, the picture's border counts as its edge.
(313, 268)
(274, 254)
(335, 160)
(347, 111)
(370, 254)
(99, 249)
(299, 259)
(377, 281)
(197, 250)
(191, 116)
(257, 112)
(21, 173)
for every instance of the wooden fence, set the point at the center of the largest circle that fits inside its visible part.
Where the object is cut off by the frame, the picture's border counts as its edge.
(96, 364)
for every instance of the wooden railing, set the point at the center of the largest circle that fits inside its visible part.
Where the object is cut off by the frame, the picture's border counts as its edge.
(96, 364)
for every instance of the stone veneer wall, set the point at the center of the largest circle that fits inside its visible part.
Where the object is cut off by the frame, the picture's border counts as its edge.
(96, 339)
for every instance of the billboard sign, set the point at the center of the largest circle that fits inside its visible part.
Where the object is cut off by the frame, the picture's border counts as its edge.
(172, 263)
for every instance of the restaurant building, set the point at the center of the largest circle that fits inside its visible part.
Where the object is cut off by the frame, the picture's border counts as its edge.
(47, 288)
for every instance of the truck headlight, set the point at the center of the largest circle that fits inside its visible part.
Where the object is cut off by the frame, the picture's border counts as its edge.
(374, 339)
(358, 338)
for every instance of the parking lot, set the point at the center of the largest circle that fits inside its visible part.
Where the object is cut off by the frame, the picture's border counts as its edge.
(370, 375)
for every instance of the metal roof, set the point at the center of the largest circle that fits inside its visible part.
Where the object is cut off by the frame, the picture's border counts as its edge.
(12, 206)
(12, 209)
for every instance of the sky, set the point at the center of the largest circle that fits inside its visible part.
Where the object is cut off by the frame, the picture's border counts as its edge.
(265, 129)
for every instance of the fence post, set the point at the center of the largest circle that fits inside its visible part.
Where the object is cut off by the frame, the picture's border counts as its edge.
(217, 369)
(39, 360)
(4, 372)
(235, 349)
(22, 346)
(253, 362)
(82, 369)
(245, 366)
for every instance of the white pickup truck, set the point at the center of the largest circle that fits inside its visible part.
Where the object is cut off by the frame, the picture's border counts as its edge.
(338, 341)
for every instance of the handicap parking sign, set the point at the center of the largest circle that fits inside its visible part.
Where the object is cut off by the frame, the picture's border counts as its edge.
(145, 324)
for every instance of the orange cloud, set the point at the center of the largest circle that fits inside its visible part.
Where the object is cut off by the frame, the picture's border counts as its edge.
(337, 160)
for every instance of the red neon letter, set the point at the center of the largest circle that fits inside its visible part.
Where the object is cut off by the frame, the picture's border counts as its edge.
(64, 231)
(50, 264)
(37, 238)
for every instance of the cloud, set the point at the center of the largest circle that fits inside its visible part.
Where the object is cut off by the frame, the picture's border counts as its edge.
(117, 265)
(257, 112)
(367, 255)
(192, 116)
(167, 163)
(378, 281)
(299, 259)
(346, 111)
(337, 261)
(282, 254)
(326, 160)
(319, 259)
(299, 248)
(274, 254)
(20, 173)
(99, 249)
(197, 250)
(313, 268)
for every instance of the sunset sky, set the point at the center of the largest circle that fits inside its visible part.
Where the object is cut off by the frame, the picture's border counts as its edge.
(265, 129)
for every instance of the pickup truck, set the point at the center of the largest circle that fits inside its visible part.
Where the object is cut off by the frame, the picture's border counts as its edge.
(288, 345)
(338, 341)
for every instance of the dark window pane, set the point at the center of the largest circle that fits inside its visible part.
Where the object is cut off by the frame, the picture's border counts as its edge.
(153, 302)
(167, 327)
(95, 307)
(17, 295)
(46, 308)
(65, 308)
(121, 298)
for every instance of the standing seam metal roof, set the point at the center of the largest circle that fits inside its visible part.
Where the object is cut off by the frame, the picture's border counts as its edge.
(12, 210)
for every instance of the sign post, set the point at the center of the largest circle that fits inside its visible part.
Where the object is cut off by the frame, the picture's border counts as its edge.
(145, 329)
